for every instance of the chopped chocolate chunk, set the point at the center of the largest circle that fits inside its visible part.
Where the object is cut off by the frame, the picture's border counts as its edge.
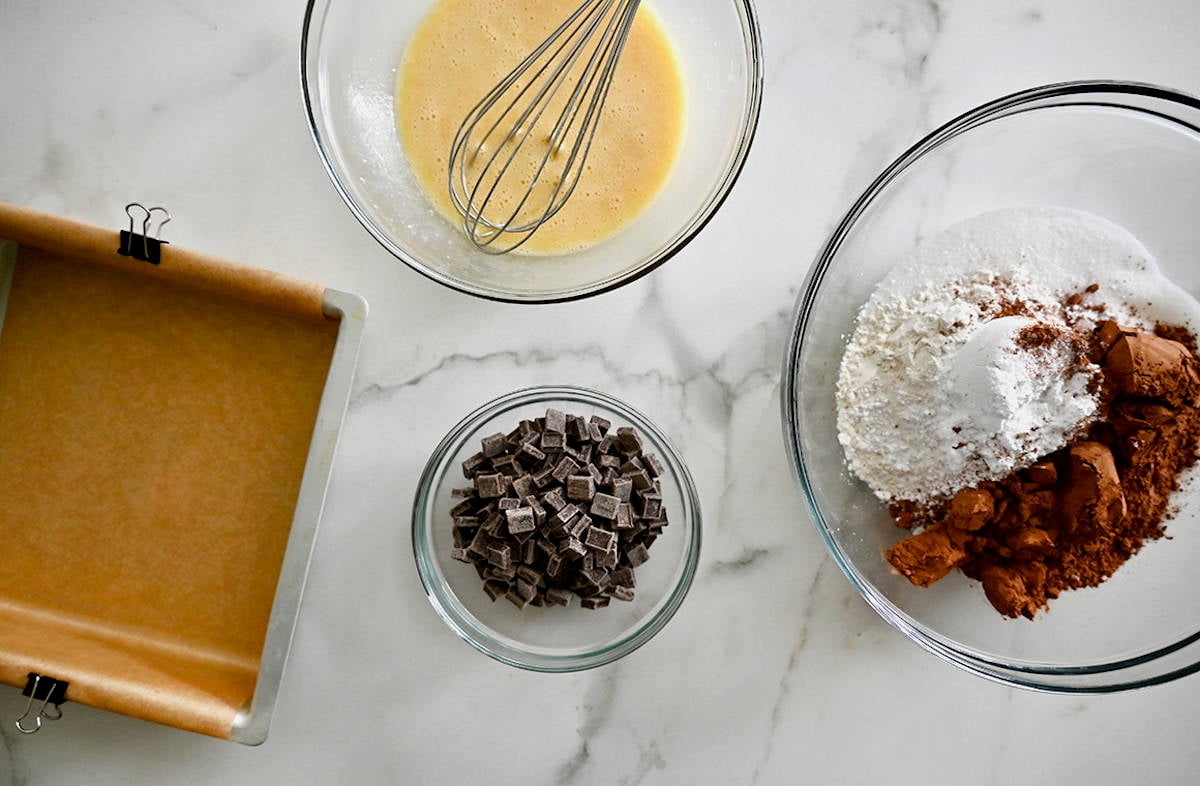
(506, 574)
(543, 477)
(621, 593)
(525, 589)
(494, 445)
(624, 519)
(490, 486)
(628, 440)
(553, 443)
(529, 575)
(651, 506)
(500, 556)
(580, 526)
(565, 514)
(553, 500)
(508, 466)
(600, 539)
(565, 468)
(556, 421)
(471, 465)
(572, 548)
(520, 520)
(623, 577)
(530, 453)
(581, 487)
(522, 486)
(495, 588)
(641, 479)
(518, 600)
(622, 489)
(604, 506)
(653, 465)
(637, 555)
(563, 505)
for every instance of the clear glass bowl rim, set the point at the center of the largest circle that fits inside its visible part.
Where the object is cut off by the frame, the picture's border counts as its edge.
(1100, 678)
(314, 19)
(439, 595)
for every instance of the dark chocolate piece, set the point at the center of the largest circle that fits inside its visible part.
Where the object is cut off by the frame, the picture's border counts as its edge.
(653, 465)
(494, 445)
(621, 593)
(637, 555)
(600, 539)
(500, 556)
(494, 588)
(559, 505)
(471, 464)
(490, 486)
(520, 520)
(556, 421)
(604, 506)
(622, 489)
(581, 487)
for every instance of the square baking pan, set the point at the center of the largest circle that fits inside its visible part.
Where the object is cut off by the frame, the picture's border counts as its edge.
(167, 429)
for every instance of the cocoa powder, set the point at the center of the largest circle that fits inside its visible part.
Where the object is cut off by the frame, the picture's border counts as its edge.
(1075, 516)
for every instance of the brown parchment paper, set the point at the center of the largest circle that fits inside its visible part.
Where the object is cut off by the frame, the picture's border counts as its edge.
(154, 426)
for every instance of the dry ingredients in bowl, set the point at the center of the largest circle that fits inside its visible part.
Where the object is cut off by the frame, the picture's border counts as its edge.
(560, 507)
(1006, 395)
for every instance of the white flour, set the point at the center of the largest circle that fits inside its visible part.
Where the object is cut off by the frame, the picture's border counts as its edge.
(935, 392)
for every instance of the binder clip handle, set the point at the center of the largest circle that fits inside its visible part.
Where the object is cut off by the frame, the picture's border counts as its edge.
(143, 245)
(51, 692)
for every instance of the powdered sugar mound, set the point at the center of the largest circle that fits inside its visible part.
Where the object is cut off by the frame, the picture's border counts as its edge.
(1011, 395)
(938, 391)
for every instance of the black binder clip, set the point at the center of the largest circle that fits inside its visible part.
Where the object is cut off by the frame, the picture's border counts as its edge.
(142, 245)
(50, 692)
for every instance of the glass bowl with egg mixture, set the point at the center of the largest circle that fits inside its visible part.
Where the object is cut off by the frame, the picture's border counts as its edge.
(551, 637)
(1126, 152)
(351, 57)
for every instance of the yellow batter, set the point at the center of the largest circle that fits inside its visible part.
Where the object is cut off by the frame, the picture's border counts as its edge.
(464, 47)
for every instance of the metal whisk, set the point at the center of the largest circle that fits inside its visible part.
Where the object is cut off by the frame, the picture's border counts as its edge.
(530, 135)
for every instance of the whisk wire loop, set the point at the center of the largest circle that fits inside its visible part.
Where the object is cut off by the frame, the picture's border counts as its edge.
(495, 148)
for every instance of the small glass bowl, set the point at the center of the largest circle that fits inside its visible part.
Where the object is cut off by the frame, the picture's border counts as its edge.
(1127, 152)
(552, 638)
(349, 52)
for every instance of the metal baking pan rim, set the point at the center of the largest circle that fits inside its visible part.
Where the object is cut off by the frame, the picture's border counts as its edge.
(252, 724)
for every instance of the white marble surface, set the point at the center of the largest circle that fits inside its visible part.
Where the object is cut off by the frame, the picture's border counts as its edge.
(774, 671)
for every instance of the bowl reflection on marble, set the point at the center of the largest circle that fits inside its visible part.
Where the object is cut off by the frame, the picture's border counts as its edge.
(1127, 152)
(350, 50)
(552, 638)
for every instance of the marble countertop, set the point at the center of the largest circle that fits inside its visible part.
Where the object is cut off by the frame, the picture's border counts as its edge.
(774, 671)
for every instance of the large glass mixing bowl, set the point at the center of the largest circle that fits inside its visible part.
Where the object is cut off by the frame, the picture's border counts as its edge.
(1127, 152)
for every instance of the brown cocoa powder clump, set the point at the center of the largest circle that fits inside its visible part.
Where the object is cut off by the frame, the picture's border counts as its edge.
(1074, 517)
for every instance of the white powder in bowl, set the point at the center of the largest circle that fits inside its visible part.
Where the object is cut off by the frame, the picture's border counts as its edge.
(937, 391)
